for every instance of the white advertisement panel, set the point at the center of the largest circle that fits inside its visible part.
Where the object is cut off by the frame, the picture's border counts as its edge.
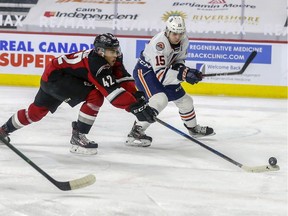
(236, 17)
(29, 53)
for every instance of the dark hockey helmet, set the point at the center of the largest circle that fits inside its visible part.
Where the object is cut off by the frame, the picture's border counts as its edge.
(106, 41)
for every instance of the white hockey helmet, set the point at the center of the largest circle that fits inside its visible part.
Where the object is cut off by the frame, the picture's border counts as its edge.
(175, 24)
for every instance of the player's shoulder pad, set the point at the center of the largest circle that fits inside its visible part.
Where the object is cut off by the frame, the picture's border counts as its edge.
(99, 65)
(159, 43)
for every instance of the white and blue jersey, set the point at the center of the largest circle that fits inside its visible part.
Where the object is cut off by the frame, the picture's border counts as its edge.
(153, 72)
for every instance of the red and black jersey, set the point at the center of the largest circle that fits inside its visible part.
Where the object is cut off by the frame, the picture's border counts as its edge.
(115, 83)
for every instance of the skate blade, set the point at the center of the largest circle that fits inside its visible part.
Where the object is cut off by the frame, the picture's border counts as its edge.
(201, 135)
(75, 149)
(137, 143)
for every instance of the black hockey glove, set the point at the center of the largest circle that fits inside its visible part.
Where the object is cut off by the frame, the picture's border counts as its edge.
(189, 75)
(143, 111)
(139, 95)
(177, 66)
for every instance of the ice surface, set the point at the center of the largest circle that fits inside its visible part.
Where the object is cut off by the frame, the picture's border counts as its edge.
(174, 176)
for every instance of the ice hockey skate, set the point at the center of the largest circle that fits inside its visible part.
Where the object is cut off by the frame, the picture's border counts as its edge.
(138, 138)
(4, 134)
(200, 131)
(80, 143)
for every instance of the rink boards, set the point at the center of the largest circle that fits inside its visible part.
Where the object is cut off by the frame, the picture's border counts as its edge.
(23, 57)
(199, 89)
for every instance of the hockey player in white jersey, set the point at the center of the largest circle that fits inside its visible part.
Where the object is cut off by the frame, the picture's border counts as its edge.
(159, 72)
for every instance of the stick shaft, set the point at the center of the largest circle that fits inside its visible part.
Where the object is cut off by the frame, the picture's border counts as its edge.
(246, 64)
(31, 163)
(257, 169)
(199, 143)
(64, 186)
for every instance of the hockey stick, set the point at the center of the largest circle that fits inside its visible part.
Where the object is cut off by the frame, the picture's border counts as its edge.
(246, 64)
(64, 186)
(264, 168)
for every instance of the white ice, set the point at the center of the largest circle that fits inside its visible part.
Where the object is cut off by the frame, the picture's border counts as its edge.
(174, 176)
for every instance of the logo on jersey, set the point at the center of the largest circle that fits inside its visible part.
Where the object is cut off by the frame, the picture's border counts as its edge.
(160, 46)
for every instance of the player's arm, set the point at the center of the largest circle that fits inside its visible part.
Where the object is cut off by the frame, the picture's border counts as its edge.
(140, 108)
(156, 55)
(106, 83)
(157, 52)
(123, 78)
(164, 73)
(185, 73)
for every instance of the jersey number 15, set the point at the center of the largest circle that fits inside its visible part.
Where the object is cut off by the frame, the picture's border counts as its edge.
(160, 60)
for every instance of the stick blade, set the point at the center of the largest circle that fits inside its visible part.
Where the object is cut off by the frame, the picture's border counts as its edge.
(249, 60)
(259, 169)
(246, 64)
(82, 182)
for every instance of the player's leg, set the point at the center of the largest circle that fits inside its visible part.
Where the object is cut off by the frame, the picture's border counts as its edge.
(74, 91)
(43, 103)
(87, 115)
(188, 116)
(153, 90)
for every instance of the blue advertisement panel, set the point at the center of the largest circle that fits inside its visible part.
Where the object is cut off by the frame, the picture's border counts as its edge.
(221, 52)
(228, 52)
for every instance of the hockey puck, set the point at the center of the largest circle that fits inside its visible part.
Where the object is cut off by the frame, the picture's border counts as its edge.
(272, 161)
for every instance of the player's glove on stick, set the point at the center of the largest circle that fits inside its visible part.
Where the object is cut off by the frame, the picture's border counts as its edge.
(143, 111)
(189, 75)
(139, 95)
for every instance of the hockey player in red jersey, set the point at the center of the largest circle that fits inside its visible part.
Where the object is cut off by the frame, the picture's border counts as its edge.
(87, 76)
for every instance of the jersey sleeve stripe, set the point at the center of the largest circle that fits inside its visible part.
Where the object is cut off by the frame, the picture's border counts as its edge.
(159, 70)
(115, 94)
(160, 75)
(144, 84)
(164, 75)
(124, 79)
